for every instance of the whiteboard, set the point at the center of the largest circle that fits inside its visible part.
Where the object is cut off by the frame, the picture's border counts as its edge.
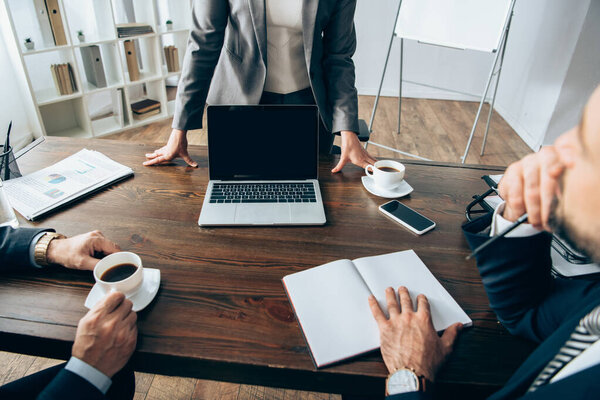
(463, 24)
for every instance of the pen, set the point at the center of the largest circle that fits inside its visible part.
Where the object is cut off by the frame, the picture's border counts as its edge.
(7, 161)
(491, 240)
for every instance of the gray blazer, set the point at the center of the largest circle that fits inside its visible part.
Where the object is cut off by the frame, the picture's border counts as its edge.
(228, 39)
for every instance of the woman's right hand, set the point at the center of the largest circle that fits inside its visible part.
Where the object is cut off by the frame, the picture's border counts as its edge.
(175, 147)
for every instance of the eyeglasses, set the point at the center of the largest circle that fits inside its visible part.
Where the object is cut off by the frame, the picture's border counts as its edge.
(479, 205)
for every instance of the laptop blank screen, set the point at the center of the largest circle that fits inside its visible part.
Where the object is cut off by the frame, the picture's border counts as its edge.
(266, 142)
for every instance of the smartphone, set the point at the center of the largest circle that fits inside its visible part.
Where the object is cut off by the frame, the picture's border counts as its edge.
(407, 217)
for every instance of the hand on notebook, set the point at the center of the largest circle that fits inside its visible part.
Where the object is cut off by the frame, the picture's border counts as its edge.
(352, 151)
(78, 252)
(408, 339)
(175, 147)
(530, 185)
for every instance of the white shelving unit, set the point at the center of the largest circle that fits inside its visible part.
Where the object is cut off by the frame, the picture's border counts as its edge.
(91, 111)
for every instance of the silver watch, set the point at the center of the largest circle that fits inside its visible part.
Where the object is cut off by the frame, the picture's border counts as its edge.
(402, 381)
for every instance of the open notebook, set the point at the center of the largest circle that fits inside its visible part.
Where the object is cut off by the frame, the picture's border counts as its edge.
(330, 302)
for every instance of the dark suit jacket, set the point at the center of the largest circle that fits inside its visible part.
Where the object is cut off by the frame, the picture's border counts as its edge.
(531, 304)
(14, 253)
(229, 39)
(14, 246)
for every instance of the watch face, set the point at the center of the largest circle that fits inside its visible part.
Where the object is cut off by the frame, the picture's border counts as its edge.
(402, 381)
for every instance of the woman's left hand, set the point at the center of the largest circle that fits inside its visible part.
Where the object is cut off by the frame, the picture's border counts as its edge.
(352, 151)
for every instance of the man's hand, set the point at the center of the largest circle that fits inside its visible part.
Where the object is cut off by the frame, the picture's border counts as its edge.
(175, 147)
(529, 185)
(352, 151)
(79, 252)
(107, 334)
(408, 339)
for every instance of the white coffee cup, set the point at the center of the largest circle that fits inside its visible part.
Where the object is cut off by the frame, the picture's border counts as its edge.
(387, 173)
(127, 286)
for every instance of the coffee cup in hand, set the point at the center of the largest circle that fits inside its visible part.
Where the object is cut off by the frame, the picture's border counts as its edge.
(387, 174)
(120, 272)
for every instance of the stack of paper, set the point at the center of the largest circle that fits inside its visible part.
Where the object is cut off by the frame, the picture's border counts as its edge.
(68, 180)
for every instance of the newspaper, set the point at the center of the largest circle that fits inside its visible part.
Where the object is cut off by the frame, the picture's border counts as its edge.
(45, 190)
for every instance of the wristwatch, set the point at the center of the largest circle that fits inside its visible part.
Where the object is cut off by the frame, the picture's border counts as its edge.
(405, 380)
(40, 252)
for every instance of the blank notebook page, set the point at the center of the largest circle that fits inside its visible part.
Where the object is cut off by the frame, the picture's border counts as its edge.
(343, 325)
(405, 268)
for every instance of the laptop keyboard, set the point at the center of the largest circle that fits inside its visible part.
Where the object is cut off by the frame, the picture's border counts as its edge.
(263, 193)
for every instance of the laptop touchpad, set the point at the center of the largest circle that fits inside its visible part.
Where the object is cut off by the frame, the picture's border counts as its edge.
(267, 213)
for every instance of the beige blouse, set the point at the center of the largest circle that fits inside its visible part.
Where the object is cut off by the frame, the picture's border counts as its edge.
(286, 67)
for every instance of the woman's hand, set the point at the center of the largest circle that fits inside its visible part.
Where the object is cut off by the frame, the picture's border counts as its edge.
(175, 147)
(352, 151)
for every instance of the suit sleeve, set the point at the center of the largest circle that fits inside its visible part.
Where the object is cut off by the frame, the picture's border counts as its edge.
(516, 274)
(14, 247)
(209, 20)
(339, 45)
(67, 385)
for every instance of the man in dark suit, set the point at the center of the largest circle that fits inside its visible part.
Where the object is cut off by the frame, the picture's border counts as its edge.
(559, 188)
(106, 336)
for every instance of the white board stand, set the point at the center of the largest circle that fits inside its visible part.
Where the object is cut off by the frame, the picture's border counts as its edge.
(446, 30)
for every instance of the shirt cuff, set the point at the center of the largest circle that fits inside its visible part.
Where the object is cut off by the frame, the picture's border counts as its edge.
(499, 223)
(89, 373)
(32, 249)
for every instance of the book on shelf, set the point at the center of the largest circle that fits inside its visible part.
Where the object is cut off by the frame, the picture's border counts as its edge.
(73, 83)
(64, 78)
(56, 23)
(144, 106)
(118, 101)
(331, 302)
(133, 29)
(92, 64)
(145, 115)
(131, 58)
(69, 180)
(172, 58)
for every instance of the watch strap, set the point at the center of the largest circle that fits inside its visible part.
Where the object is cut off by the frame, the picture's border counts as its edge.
(40, 252)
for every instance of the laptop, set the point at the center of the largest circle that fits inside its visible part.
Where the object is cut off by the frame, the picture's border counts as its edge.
(263, 162)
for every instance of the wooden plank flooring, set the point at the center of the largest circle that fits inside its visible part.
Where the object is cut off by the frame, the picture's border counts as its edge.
(434, 129)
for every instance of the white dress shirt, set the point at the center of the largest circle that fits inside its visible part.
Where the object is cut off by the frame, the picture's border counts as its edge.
(286, 66)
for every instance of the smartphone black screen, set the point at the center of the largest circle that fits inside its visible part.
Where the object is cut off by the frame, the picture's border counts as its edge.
(407, 215)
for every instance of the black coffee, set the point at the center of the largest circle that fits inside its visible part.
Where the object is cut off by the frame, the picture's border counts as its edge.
(388, 169)
(118, 272)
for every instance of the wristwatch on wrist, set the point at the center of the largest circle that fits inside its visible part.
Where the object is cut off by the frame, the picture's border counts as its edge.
(405, 380)
(41, 247)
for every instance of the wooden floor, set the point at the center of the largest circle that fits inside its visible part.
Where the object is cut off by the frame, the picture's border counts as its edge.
(433, 129)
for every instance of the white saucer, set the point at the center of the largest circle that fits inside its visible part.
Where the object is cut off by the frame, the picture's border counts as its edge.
(399, 191)
(140, 299)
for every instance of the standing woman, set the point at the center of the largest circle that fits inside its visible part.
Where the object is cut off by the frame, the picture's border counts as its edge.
(270, 52)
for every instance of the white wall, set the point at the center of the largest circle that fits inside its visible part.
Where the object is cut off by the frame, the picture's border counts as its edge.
(15, 102)
(583, 76)
(542, 41)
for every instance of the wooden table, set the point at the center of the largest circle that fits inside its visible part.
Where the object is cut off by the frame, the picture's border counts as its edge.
(221, 312)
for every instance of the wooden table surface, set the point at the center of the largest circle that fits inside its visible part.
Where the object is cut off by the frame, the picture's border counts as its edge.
(221, 312)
